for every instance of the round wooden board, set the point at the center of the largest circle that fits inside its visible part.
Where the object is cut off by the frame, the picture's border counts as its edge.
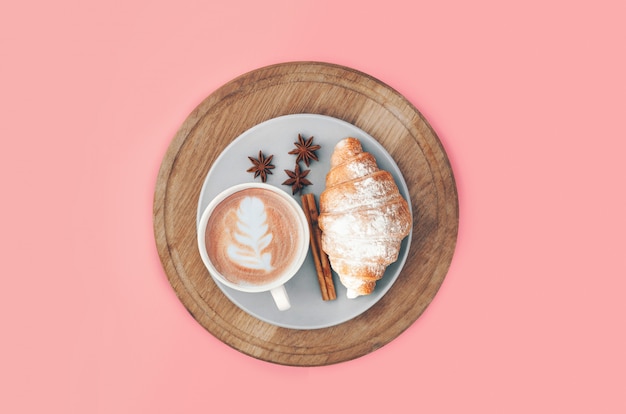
(320, 88)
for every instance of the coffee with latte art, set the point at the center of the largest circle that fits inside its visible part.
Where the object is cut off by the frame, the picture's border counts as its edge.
(251, 235)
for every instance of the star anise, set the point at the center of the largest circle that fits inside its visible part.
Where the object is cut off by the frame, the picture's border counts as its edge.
(297, 179)
(261, 166)
(305, 150)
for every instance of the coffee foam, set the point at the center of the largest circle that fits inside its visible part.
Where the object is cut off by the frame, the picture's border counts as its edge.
(251, 235)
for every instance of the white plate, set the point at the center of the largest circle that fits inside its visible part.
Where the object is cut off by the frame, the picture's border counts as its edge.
(276, 137)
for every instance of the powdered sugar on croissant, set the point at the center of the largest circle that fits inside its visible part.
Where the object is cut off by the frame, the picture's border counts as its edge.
(363, 218)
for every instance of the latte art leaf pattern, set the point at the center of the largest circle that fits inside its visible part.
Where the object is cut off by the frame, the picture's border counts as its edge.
(252, 235)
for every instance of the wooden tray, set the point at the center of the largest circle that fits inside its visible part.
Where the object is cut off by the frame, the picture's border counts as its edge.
(340, 92)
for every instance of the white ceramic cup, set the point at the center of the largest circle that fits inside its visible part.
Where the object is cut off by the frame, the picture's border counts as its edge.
(249, 228)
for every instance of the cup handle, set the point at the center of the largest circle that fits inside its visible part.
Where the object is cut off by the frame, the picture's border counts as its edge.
(280, 297)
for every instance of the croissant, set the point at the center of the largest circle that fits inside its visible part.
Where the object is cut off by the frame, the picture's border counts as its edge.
(363, 218)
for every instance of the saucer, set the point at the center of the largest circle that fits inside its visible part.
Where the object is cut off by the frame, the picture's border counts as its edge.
(277, 137)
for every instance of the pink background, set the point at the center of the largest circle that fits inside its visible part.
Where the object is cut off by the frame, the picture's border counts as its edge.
(528, 99)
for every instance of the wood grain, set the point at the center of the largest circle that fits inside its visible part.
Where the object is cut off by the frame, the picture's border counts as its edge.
(320, 88)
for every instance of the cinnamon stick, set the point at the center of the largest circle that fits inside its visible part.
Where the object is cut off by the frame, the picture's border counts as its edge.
(322, 265)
